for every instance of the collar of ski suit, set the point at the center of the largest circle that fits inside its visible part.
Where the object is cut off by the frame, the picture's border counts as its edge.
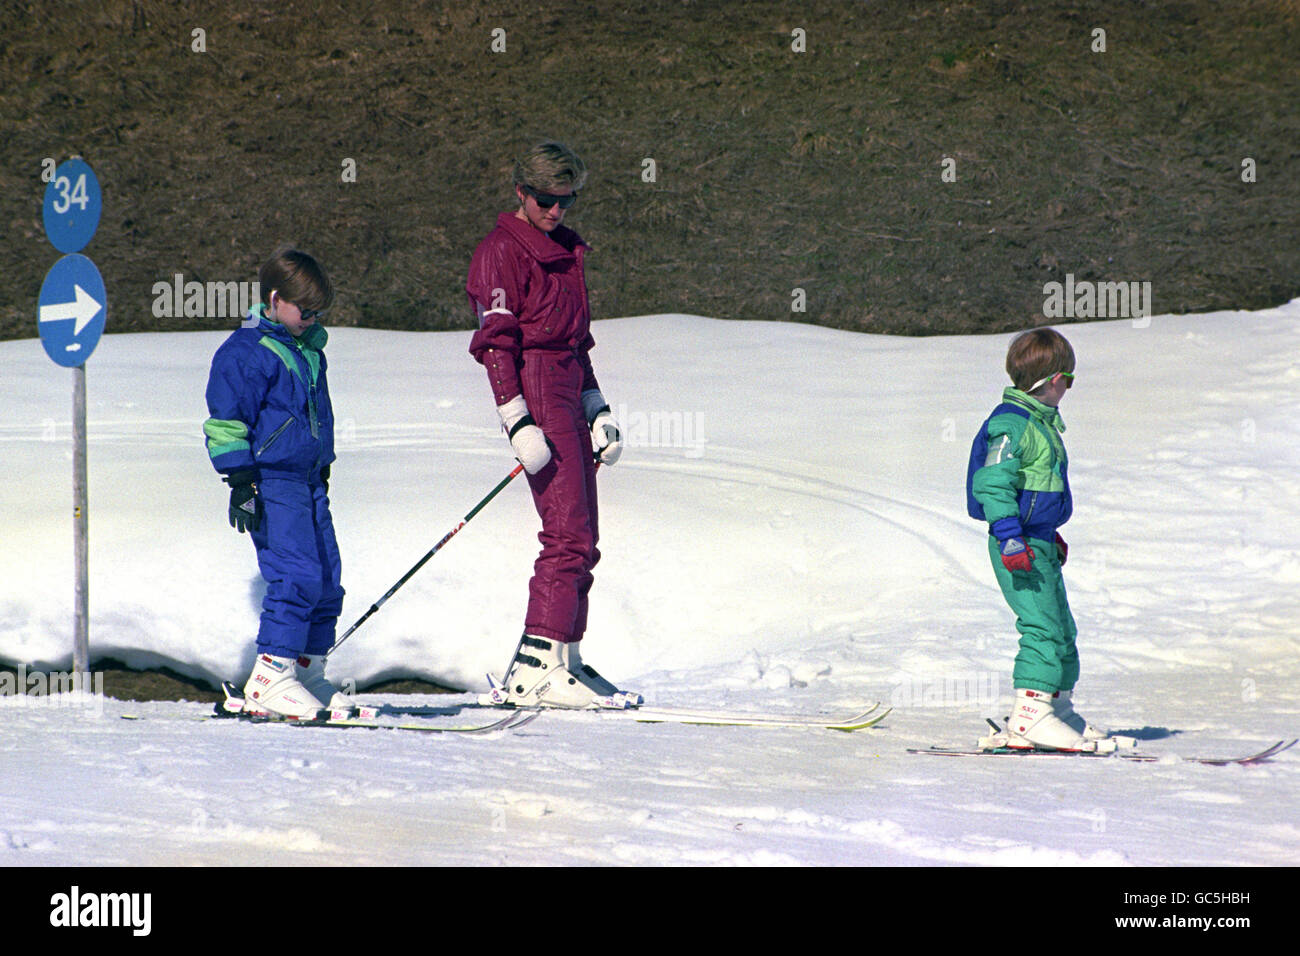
(1044, 413)
(314, 338)
(561, 243)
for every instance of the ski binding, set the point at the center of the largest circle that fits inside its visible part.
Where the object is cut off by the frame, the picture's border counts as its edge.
(361, 716)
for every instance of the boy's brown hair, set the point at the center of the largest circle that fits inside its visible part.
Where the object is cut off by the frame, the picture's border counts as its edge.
(1036, 354)
(298, 278)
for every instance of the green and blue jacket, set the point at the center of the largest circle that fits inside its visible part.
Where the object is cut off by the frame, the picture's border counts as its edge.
(1024, 485)
(269, 402)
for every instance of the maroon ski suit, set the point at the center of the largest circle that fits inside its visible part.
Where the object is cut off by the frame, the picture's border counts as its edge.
(528, 289)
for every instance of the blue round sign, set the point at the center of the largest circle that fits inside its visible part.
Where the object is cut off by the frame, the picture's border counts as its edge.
(72, 310)
(72, 206)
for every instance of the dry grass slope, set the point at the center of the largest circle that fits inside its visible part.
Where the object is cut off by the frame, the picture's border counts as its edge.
(775, 170)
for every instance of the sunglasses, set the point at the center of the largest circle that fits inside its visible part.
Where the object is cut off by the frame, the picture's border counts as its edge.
(1051, 380)
(308, 315)
(547, 200)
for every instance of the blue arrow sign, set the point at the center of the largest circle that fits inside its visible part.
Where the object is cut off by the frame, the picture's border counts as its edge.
(72, 206)
(72, 310)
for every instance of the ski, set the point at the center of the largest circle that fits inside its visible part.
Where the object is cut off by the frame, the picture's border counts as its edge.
(1266, 754)
(363, 716)
(631, 706)
(665, 715)
(1259, 757)
(723, 718)
(233, 706)
(727, 718)
(512, 721)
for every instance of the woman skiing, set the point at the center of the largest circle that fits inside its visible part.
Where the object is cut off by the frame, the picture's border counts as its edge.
(528, 290)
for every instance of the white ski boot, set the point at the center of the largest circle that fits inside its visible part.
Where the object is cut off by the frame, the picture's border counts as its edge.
(311, 672)
(273, 690)
(1033, 724)
(546, 673)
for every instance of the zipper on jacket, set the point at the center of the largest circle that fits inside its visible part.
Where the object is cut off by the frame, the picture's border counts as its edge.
(273, 436)
(1033, 501)
(311, 410)
(309, 380)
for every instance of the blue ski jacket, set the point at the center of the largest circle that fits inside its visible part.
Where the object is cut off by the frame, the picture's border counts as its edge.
(269, 403)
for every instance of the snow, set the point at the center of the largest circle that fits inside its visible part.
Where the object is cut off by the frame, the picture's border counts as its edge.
(786, 531)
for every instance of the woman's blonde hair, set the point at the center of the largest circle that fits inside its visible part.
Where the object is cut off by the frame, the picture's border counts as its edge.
(550, 166)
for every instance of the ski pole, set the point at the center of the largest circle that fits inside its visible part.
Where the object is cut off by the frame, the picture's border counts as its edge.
(432, 551)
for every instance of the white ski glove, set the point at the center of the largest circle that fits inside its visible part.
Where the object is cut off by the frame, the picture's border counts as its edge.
(527, 440)
(606, 440)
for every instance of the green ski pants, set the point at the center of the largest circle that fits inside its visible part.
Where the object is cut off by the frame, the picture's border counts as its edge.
(1047, 660)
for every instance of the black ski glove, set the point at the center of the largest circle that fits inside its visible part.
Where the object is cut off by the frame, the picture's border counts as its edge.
(245, 502)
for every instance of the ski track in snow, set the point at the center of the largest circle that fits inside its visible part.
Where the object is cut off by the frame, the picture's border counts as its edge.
(802, 561)
(894, 512)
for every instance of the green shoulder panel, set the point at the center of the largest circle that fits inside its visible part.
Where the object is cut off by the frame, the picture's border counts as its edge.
(285, 354)
(282, 351)
(1038, 463)
(1041, 450)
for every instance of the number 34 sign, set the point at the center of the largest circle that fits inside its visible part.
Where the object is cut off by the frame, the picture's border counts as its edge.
(72, 206)
(73, 306)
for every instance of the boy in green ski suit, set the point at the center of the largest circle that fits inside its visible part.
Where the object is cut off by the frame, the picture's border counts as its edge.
(1022, 488)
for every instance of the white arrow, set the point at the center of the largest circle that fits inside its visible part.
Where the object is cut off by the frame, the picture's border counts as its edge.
(85, 308)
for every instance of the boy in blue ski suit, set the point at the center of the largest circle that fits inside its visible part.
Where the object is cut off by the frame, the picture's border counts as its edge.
(271, 437)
